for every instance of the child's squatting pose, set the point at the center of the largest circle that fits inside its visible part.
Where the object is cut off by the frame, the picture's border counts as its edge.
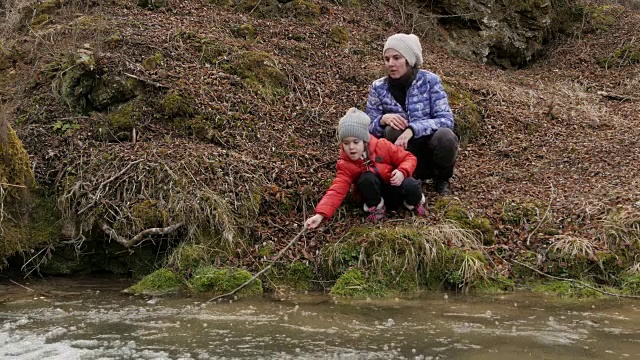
(381, 171)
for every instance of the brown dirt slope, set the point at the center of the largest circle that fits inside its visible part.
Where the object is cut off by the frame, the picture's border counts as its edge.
(561, 134)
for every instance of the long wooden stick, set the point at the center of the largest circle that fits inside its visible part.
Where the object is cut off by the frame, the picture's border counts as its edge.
(577, 282)
(280, 254)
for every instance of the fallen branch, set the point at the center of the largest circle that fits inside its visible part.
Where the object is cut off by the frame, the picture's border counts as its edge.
(22, 286)
(13, 185)
(616, 96)
(148, 81)
(280, 254)
(577, 282)
(138, 238)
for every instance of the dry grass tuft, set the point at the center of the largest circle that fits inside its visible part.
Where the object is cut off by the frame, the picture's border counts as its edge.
(570, 247)
(621, 227)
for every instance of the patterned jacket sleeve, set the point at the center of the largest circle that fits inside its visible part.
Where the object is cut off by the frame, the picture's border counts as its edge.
(336, 193)
(374, 110)
(440, 115)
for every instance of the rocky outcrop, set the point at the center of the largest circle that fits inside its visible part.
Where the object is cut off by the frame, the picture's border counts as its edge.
(506, 33)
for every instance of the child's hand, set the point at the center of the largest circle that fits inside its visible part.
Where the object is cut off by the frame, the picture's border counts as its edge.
(397, 177)
(313, 221)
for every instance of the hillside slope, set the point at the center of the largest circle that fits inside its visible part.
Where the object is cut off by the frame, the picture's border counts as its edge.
(244, 101)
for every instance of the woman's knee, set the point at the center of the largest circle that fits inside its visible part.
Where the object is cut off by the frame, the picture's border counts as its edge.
(391, 134)
(445, 138)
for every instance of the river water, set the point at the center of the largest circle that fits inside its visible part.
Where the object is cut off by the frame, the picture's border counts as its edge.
(90, 318)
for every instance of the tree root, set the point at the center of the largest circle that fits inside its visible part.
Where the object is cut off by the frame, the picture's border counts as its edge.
(141, 235)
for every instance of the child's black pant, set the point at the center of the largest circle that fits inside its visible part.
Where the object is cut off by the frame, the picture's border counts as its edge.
(373, 189)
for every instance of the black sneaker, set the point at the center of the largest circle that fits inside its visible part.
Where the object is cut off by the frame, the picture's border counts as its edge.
(443, 187)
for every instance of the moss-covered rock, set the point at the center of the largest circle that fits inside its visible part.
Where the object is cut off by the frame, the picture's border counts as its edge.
(188, 257)
(212, 51)
(629, 283)
(76, 80)
(260, 72)
(453, 211)
(339, 35)
(245, 31)
(119, 124)
(354, 283)
(161, 282)
(153, 61)
(108, 91)
(177, 105)
(467, 115)
(302, 10)
(223, 280)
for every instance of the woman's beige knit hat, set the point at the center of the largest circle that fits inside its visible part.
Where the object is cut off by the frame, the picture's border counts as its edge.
(354, 123)
(406, 44)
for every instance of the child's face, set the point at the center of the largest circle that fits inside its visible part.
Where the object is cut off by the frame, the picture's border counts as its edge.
(353, 146)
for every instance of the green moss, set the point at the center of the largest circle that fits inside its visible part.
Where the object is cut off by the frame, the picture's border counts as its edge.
(120, 123)
(223, 280)
(176, 105)
(467, 115)
(153, 61)
(16, 168)
(149, 214)
(303, 10)
(212, 51)
(114, 40)
(161, 282)
(245, 31)
(566, 289)
(602, 17)
(354, 283)
(453, 211)
(628, 54)
(187, 257)
(497, 285)
(260, 72)
(339, 35)
(520, 213)
(629, 283)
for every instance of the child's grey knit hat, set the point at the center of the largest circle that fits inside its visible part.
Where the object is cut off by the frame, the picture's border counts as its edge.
(354, 123)
(406, 44)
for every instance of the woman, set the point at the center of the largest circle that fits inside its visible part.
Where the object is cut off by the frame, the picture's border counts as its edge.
(409, 107)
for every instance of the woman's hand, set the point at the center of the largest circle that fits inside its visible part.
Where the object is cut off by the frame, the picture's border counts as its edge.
(403, 139)
(397, 177)
(313, 221)
(394, 120)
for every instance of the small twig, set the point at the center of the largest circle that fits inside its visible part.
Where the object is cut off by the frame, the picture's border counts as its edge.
(148, 81)
(22, 286)
(280, 254)
(616, 96)
(141, 235)
(577, 282)
(13, 185)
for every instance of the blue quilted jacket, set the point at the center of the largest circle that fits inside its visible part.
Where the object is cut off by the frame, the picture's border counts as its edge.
(427, 105)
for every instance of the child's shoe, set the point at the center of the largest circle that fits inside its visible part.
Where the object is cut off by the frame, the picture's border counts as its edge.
(376, 213)
(420, 208)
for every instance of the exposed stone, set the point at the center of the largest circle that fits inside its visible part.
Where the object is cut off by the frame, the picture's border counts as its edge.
(506, 33)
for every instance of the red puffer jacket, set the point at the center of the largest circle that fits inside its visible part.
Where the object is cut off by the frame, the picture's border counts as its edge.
(383, 155)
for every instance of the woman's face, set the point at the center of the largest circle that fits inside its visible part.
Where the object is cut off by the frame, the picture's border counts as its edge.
(395, 63)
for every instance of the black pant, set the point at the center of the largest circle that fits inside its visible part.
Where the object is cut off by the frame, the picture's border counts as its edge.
(373, 189)
(436, 153)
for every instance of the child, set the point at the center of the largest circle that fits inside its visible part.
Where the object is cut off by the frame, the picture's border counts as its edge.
(379, 169)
